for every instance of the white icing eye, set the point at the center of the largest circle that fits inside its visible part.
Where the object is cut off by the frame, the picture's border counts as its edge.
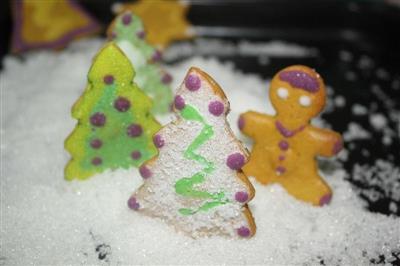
(304, 101)
(283, 93)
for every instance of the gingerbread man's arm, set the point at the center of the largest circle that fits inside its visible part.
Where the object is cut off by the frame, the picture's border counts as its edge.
(252, 123)
(328, 142)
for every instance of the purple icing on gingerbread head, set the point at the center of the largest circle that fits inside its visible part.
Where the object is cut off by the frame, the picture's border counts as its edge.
(300, 79)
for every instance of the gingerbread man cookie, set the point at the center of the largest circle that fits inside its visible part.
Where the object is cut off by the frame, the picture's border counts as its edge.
(285, 145)
(196, 183)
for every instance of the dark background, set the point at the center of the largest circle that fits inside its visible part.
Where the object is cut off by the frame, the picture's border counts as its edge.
(364, 29)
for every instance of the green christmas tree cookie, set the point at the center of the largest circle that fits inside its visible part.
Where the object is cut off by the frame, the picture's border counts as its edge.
(115, 127)
(128, 33)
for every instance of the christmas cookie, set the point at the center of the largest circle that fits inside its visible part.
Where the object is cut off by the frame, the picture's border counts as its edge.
(49, 24)
(114, 128)
(196, 183)
(128, 33)
(285, 145)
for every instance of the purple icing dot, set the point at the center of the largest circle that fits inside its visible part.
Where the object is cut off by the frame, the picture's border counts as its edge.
(281, 157)
(193, 82)
(156, 56)
(166, 79)
(280, 170)
(144, 171)
(235, 161)
(140, 34)
(300, 79)
(158, 141)
(134, 130)
(283, 145)
(243, 231)
(241, 196)
(126, 19)
(136, 155)
(98, 119)
(216, 108)
(241, 122)
(113, 35)
(337, 147)
(133, 204)
(108, 79)
(96, 143)
(179, 102)
(122, 104)
(325, 199)
(97, 161)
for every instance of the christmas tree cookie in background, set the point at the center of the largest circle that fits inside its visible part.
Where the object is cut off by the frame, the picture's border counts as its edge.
(164, 21)
(49, 24)
(115, 127)
(128, 33)
(285, 145)
(196, 183)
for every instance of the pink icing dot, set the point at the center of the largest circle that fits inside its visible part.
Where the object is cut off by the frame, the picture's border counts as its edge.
(122, 104)
(337, 147)
(235, 161)
(179, 102)
(144, 171)
(283, 145)
(325, 199)
(134, 130)
(140, 34)
(96, 143)
(241, 196)
(97, 161)
(98, 119)
(158, 141)
(281, 157)
(216, 108)
(136, 155)
(193, 82)
(241, 122)
(243, 231)
(156, 56)
(133, 204)
(108, 79)
(166, 79)
(280, 170)
(126, 19)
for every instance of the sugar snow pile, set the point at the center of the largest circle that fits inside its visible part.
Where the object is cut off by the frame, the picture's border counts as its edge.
(46, 220)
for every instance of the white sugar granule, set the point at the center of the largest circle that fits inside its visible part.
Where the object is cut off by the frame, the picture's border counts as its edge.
(378, 121)
(358, 109)
(355, 131)
(46, 220)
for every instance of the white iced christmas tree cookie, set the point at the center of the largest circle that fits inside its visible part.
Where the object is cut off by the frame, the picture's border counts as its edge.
(196, 183)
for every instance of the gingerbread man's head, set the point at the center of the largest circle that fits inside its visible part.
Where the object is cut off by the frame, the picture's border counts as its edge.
(297, 94)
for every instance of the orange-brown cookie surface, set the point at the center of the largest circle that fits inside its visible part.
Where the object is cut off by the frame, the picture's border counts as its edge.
(285, 145)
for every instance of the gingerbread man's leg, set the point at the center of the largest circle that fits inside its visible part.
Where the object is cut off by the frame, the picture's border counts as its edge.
(259, 167)
(307, 185)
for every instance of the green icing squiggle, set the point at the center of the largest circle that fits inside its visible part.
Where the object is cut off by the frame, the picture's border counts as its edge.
(185, 186)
